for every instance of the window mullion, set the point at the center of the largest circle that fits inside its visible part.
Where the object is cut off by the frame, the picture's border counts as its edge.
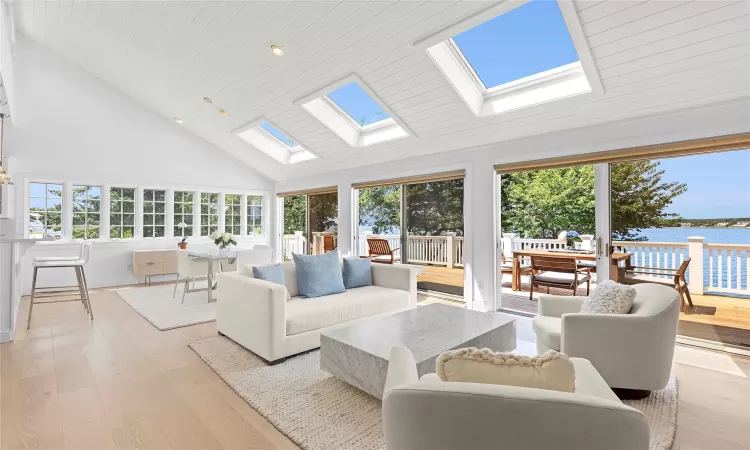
(243, 215)
(67, 211)
(169, 211)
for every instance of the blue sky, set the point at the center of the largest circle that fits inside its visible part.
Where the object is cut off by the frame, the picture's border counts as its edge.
(278, 134)
(524, 41)
(360, 106)
(718, 184)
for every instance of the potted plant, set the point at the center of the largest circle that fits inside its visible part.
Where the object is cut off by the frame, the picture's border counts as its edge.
(223, 240)
(183, 243)
(572, 237)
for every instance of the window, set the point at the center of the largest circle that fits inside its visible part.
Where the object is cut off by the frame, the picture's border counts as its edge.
(525, 41)
(521, 57)
(278, 134)
(86, 211)
(351, 110)
(45, 210)
(254, 215)
(183, 213)
(154, 212)
(355, 102)
(277, 144)
(209, 213)
(121, 213)
(232, 214)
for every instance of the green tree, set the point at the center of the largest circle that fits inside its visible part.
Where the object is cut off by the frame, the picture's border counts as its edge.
(324, 212)
(435, 208)
(380, 207)
(542, 203)
(294, 213)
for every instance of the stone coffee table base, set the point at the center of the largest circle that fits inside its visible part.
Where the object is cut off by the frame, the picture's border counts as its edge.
(359, 354)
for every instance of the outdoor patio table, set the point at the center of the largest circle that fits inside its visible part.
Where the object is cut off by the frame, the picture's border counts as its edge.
(617, 257)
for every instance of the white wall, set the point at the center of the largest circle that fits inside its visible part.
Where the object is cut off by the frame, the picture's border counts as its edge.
(78, 128)
(480, 186)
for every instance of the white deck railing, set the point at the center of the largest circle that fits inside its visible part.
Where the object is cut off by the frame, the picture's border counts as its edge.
(727, 263)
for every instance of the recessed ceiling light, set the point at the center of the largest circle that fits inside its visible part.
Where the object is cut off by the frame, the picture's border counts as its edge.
(207, 100)
(277, 50)
(178, 120)
(223, 113)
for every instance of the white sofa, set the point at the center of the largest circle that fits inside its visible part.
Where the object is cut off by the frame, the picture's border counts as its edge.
(429, 414)
(631, 351)
(257, 315)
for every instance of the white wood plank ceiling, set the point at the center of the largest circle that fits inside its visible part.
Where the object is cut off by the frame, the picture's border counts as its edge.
(652, 56)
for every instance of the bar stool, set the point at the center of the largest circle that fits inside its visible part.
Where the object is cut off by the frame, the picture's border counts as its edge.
(52, 262)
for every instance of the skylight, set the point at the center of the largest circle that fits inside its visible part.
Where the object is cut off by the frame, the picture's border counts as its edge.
(278, 134)
(525, 41)
(355, 102)
(518, 56)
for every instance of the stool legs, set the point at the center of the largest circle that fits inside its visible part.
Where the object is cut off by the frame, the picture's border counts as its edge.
(31, 302)
(86, 290)
(80, 289)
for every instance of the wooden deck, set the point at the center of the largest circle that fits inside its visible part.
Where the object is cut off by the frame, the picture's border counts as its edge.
(714, 318)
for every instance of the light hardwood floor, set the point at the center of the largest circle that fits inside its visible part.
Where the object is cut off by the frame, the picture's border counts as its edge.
(117, 382)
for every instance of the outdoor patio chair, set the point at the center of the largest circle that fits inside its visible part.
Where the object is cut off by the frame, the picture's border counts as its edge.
(380, 251)
(643, 274)
(328, 243)
(559, 272)
(506, 266)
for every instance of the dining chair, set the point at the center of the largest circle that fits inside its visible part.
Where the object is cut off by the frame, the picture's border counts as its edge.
(557, 271)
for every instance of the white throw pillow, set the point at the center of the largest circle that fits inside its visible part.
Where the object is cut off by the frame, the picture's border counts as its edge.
(609, 297)
(552, 371)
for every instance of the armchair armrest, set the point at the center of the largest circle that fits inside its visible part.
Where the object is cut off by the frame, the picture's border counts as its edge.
(402, 369)
(252, 313)
(557, 305)
(397, 276)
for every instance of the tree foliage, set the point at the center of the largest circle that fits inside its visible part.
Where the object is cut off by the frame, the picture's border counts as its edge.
(294, 213)
(432, 209)
(542, 203)
(323, 213)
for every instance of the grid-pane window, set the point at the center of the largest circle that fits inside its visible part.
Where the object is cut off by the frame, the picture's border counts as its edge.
(183, 213)
(87, 208)
(232, 214)
(154, 212)
(254, 215)
(45, 210)
(121, 213)
(209, 213)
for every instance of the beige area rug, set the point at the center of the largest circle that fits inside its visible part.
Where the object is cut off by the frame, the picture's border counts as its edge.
(320, 412)
(156, 305)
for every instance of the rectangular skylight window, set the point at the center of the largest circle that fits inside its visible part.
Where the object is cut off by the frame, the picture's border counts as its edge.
(525, 41)
(355, 102)
(278, 134)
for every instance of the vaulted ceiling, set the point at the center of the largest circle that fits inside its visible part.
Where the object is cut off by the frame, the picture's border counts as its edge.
(651, 56)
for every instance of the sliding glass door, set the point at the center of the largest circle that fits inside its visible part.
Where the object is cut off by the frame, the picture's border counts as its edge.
(416, 221)
(322, 223)
(310, 222)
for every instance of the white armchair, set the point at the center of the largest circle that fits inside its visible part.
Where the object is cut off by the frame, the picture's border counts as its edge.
(431, 414)
(189, 269)
(633, 352)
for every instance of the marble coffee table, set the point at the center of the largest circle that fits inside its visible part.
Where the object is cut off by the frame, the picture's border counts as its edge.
(358, 354)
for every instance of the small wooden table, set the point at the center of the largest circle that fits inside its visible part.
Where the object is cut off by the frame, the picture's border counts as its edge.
(518, 254)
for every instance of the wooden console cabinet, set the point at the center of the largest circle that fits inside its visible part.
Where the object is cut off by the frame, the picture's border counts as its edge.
(147, 263)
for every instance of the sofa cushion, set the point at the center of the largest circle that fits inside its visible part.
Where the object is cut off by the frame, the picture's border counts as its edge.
(547, 330)
(609, 297)
(306, 314)
(319, 275)
(357, 272)
(273, 273)
(290, 277)
(552, 371)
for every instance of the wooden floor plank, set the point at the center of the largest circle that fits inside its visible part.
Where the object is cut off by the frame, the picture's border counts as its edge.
(143, 398)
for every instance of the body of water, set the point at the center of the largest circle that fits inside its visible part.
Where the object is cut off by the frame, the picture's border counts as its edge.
(711, 235)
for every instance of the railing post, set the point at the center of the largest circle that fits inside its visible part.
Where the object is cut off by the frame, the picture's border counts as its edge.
(450, 249)
(506, 244)
(587, 241)
(695, 252)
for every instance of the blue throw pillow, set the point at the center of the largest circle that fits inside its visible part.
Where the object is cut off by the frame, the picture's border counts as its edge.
(357, 272)
(319, 275)
(273, 273)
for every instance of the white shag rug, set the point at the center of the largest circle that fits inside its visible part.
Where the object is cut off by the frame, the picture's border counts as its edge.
(156, 305)
(320, 412)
